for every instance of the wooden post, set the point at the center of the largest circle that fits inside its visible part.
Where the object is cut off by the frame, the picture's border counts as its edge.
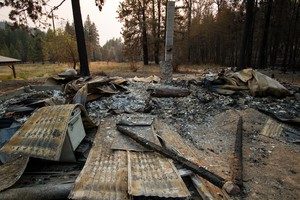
(14, 71)
(167, 68)
(12, 67)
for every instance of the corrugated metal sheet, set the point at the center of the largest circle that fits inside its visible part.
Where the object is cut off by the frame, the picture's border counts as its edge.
(11, 172)
(174, 141)
(104, 175)
(122, 142)
(272, 128)
(43, 134)
(150, 174)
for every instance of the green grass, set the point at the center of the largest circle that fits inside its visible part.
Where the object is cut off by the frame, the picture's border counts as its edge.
(31, 71)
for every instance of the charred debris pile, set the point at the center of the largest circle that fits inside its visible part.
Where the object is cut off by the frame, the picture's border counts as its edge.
(202, 137)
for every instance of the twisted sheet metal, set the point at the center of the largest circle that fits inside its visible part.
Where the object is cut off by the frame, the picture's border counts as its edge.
(109, 174)
(104, 175)
(150, 174)
(43, 134)
(10, 172)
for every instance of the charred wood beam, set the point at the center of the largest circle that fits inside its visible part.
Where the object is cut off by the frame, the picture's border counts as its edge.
(237, 162)
(209, 176)
(48, 191)
(169, 92)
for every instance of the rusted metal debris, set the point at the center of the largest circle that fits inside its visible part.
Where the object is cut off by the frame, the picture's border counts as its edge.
(44, 133)
(11, 171)
(118, 174)
(150, 174)
(81, 96)
(210, 176)
(138, 125)
(104, 175)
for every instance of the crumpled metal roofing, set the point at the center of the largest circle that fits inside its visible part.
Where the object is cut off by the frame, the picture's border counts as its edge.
(114, 174)
(150, 174)
(104, 175)
(122, 142)
(10, 172)
(43, 134)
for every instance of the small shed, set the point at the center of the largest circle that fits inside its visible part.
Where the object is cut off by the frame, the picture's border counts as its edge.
(10, 62)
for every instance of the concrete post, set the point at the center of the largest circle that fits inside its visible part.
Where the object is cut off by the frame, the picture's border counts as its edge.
(167, 68)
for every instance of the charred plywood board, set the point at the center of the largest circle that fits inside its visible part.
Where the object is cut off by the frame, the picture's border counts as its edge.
(104, 175)
(10, 172)
(44, 133)
(150, 174)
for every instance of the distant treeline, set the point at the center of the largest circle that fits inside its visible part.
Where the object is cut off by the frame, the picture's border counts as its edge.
(34, 45)
(215, 31)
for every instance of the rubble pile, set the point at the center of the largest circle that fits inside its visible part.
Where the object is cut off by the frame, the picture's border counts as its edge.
(219, 130)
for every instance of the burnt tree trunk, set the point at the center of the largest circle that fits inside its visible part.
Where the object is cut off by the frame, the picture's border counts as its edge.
(81, 46)
(246, 47)
(144, 35)
(157, 42)
(155, 31)
(190, 3)
(292, 59)
(262, 58)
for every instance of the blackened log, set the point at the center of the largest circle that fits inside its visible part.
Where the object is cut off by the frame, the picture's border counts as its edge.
(169, 92)
(48, 191)
(209, 176)
(237, 162)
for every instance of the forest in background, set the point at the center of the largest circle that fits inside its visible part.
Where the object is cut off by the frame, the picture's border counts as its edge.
(34, 45)
(215, 32)
(234, 33)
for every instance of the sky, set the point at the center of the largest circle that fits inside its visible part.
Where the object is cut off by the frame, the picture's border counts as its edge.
(106, 22)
